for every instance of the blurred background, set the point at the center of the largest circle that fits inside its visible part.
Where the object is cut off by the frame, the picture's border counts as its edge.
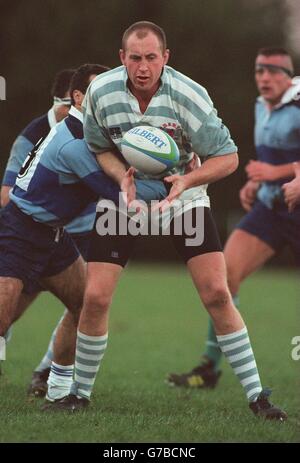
(212, 41)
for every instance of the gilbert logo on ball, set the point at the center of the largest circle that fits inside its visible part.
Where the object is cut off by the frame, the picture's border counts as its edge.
(149, 149)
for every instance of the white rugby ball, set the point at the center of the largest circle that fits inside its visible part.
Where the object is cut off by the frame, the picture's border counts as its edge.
(149, 149)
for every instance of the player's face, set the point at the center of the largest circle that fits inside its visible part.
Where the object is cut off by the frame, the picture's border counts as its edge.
(144, 60)
(272, 83)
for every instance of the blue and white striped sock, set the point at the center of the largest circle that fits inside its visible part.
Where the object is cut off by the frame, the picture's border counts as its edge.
(59, 381)
(89, 353)
(237, 349)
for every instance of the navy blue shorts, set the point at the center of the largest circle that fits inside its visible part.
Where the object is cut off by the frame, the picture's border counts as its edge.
(277, 227)
(82, 241)
(29, 251)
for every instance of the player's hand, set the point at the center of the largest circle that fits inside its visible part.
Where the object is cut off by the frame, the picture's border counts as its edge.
(128, 187)
(260, 171)
(193, 164)
(179, 185)
(248, 194)
(291, 190)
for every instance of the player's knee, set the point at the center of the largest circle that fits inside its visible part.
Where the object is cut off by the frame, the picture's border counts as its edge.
(96, 300)
(216, 296)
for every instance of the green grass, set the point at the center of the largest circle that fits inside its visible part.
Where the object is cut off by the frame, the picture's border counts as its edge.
(157, 326)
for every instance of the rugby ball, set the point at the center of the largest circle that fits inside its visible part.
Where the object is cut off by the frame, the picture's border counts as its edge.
(149, 149)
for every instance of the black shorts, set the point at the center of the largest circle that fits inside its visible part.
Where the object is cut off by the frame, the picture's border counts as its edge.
(199, 237)
(31, 250)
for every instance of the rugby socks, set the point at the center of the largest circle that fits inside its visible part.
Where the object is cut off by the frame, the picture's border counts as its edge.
(89, 353)
(237, 349)
(59, 381)
(2, 348)
(47, 359)
(213, 351)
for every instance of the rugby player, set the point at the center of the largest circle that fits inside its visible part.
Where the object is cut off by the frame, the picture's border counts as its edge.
(57, 182)
(25, 141)
(145, 90)
(270, 223)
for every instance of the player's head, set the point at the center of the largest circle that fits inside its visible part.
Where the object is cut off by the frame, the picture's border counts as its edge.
(61, 93)
(82, 79)
(144, 53)
(273, 73)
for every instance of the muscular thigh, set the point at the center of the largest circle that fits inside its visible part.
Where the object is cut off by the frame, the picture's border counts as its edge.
(69, 284)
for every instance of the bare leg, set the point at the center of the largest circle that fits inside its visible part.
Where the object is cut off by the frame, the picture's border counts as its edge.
(68, 286)
(208, 272)
(244, 254)
(102, 279)
(10, 290)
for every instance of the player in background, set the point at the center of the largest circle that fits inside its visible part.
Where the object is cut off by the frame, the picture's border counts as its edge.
(144, 89)
(270, 223)
(79, 229)
(59, 181)
(37, 129)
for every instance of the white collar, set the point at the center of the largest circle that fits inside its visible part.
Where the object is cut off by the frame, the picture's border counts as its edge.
(51, 117)
(76, 113)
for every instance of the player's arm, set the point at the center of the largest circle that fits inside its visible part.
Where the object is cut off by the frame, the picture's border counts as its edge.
(116, 169)
(259, 171)
(291, 189)
(211, 170)
(248, 194)
(4, 195)
(18, 153)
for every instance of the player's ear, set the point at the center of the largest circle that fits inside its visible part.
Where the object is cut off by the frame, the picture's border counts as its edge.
(166, 56)
(122, 56)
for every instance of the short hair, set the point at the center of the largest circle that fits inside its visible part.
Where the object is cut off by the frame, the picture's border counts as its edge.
(61, 84)
(273, 51)
(142, 28)
(270, 51)
(80, 79)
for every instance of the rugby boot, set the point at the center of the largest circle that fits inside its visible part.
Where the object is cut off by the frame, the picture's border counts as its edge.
(202, 376)
(265, 409)
(70, 403)
(38, 385)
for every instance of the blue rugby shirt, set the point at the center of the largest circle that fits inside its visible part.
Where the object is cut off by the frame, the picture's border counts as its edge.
(277, 138)
(63, 177)
(24, 143)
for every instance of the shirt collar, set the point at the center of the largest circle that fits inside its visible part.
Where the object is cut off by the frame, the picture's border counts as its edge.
(51, 117)
(292, 93)
(76, 113)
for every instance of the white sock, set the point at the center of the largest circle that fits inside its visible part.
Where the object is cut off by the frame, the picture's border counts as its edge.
(59, 381)
(2, 348)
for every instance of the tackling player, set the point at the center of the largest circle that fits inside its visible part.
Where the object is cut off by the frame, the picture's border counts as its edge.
(58, 180)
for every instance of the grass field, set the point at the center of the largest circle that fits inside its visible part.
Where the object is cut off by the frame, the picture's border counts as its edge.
(157, 326)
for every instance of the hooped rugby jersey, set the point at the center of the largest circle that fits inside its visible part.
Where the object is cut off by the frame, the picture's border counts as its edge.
(180, 106)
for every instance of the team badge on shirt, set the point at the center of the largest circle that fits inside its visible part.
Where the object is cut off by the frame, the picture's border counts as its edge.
(115, 132)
